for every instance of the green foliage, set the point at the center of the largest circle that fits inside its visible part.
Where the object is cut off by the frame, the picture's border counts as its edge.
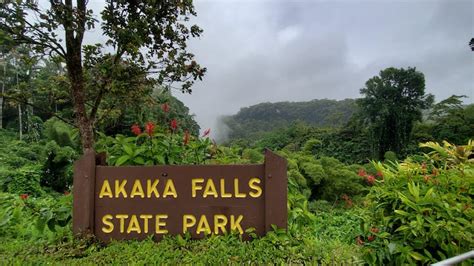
(57, 167)
(252, 155)
(23, 180)
(155, 148)
(324, 178)
(60, 132)
(34, 218)
(453, 121)
(121, 116)
(422, 212)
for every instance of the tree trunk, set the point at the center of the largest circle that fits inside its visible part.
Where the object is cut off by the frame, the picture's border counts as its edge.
(74, 36)
(78, 96)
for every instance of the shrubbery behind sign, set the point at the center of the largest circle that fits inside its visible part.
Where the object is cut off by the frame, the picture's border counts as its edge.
(133, 202)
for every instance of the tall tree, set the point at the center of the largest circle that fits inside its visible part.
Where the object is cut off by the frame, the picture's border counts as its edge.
(153, 34)
(392, 102)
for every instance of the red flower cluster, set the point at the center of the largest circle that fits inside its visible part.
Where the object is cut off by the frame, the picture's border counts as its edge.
(370, 179)
(149, 127)
(374, 230)
(165, 107)
(24, 196)
(186, 137)
(174, 124)
(136, 129)
(206, 132)
(359, 241)
(371, 238)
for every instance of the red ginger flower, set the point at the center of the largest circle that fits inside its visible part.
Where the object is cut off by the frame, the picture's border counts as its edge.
(374, 230)
(165, 107)
(206, 132)
(23, 196)
(136, 129)
(186, 137)
(174, 124)
(149, 128)
(370, 179)
(362, 173)
(371, 238)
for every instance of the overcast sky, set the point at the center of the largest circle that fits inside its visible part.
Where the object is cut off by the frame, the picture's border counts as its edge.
(269, 51)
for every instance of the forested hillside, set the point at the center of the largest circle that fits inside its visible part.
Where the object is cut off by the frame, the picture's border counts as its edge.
(254, 120)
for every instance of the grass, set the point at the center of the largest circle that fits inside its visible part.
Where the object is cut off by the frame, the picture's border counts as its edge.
(176, 250)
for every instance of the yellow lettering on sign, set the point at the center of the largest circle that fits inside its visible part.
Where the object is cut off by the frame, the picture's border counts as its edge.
(133, 225)
(137, 189)
(188, 221)
(235, 224)
(210, 189)
(203, 225)
(236, 189)
(145, 218)
(170, 190)
(105, 220)
(122, 218)
(258, 190)
(159, 224)
(120, 188)
(151, 188)
(220, 221)
(195, 186)
(105, 190)
(223, 193)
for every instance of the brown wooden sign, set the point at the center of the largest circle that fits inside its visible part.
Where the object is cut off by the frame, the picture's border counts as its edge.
(133, 202)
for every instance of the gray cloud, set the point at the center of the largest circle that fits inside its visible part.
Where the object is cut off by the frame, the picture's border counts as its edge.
(258, 51)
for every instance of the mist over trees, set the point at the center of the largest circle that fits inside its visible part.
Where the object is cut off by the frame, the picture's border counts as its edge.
(264, 117)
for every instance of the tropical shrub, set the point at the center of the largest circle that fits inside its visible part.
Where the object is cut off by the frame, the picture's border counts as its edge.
(325, 178)
(27, 216)
(155, 146)
(422, 212)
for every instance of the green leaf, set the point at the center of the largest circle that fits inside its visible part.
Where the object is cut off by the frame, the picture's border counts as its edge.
(139, 161)
(402, 228)
(416, 255)
(128, 149)
(122, 160)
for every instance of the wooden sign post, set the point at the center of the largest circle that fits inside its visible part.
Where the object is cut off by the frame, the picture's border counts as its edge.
(133, 202)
